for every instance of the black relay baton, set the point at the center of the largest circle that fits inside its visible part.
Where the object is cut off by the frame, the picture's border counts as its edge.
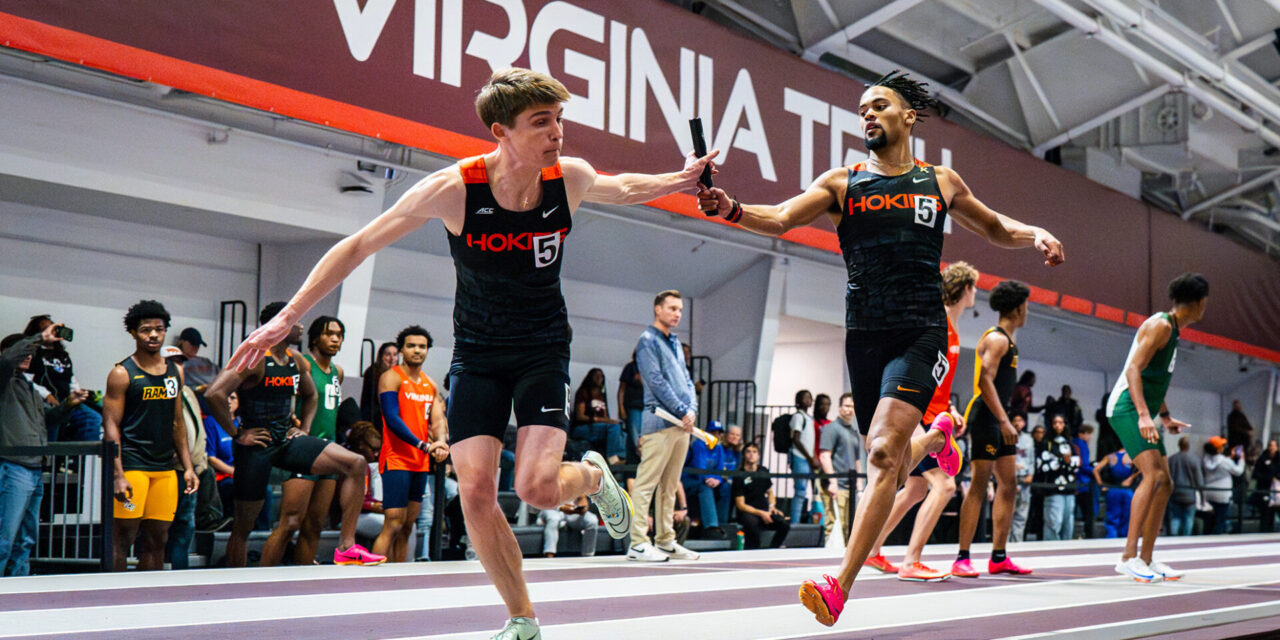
(700, 150)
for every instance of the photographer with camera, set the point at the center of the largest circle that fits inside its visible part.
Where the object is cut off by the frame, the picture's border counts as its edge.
(51, 369)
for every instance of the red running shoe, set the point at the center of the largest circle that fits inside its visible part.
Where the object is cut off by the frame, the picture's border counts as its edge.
(879, 563)
(357, 555)
(918, 572)
(826, 601)
(1007, 566)
(949, 457)
(963, 569)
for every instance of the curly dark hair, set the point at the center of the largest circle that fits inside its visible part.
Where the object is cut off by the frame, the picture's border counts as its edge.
(413, 330)
(319, 325)
(1008, 296)
(144, 310)
(270, 311)
(912, 91)
(1188, 288)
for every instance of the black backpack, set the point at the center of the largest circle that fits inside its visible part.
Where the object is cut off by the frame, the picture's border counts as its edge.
(781, 430)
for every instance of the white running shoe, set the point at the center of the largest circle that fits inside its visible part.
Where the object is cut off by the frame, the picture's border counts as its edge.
(1167, 572)
(678, 552)
(1138, 570)
(646, 552)
(520, 629)
(612, 500)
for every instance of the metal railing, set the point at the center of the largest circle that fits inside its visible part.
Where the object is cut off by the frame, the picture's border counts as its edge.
(228, 310)
(76, 508)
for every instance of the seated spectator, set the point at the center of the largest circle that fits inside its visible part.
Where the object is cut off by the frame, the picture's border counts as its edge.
(1218, 471)
(200, 371)
(25, 421)
(573, 515)
(711, 491)
(218, 447)
(366, 440)
(591, 421)
(756, 504)
(1118, 471)
(51, 369)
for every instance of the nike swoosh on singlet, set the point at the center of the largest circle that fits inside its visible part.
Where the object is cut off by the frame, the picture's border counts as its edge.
(550, 211)
(902, 388)
(555, 410)
(920, 179)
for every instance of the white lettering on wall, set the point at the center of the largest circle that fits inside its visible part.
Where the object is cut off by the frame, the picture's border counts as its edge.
(451, 43)
(742, 102)
(617, 78)
(502, 52)
(645, 75)
(424, 38)
(810, 110)
(556, 16)
(362, 28)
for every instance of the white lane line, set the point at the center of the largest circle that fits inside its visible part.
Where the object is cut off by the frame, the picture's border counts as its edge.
(792, 620)
(1148, 627)
(232, 610)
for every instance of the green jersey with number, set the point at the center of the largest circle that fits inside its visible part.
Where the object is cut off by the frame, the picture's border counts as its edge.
(1155, 377)
(329, 392)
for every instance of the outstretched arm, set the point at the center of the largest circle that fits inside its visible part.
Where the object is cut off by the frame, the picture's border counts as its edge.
(439, 195)
(823, 196)
(997, 228)
(583, 183)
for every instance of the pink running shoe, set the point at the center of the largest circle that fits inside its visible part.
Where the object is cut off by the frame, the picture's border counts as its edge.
(357, 555)
(1007, 566)
(949, 458)
(963, 569)
(826, 601)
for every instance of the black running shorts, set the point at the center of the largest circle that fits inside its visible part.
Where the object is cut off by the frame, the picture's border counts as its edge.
(984, 433)
(485, 383)
(253, 463)
(907, 364)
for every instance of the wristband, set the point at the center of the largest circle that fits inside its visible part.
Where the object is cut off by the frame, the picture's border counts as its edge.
(1164, 414)
(735, 213)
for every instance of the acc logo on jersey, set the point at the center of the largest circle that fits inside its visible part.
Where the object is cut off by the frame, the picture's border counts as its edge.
(940, 368)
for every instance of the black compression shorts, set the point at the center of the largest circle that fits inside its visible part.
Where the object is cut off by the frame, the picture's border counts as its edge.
(984, 434)
(253, 463)
(486, 382)
(907, 364)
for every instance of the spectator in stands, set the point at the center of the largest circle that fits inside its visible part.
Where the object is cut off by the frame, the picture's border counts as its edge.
(1218, 471)
(25, 421)
(756, 504)
(1066, 406)
(388, 356)
(1116, 474)
(1024, 470)
(1087, 494)
(1187, 478)
(1266, 474)
(222, 457)
(801, 454)
(200, 371)
(52, 370)
(1059, 461)
(1239, 431)
(142, 411)
(663, 445)
(838, 455)
(591, 421)
(183, 529)
(574, 516)
(710, 490)
(1035, 516)
(1020, 402)
(631, 407)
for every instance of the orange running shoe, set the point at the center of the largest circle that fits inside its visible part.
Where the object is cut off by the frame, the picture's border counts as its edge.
(826, 601)
(879, 563)
(918, 572)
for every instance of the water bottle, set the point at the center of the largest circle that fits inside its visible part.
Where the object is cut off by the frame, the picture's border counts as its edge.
(739, 541)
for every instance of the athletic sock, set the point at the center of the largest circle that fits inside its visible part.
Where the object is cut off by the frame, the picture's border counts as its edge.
(963, 555)
(997, 555)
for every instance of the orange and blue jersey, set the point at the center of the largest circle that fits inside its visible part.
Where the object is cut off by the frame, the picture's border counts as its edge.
(942, 395)
(407, 425)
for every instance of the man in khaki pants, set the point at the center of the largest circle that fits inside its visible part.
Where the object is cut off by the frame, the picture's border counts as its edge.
(663, 446)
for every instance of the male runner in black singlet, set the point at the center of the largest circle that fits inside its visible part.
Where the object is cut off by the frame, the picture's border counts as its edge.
(271, 435)
(992, 433)
(142, 413)
(507, 214)
(889, 214)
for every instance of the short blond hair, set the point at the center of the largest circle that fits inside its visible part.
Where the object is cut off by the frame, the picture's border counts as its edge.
(510, 91)
(956, 277)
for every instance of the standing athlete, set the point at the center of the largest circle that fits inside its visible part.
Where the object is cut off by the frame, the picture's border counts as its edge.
(931, 477)
(271, 435)
(507, 214)
(305, 495)
(889, 213)
(414, 429)
(1141, 386)
(994, 438)
(142, 413)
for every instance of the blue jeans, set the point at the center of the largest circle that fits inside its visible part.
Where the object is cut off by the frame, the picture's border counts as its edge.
(1182, 519)
(427, 514)
(713, 504)
(1059, 516)
(1118, 503)
(182, 529)
(603, 435)
(634, 417)
(21, 491)
(799, 464)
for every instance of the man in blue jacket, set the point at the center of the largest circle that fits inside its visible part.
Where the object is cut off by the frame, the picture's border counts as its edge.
(711, 491)
(663, 445)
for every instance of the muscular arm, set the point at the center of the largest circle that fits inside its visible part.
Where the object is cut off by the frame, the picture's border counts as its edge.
(1153, 335)
(220, 389)
(996, 228)
(113, 410)
(823, 196)
(583, 183)
(991, 350)
(308, 399)
(388, 386)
